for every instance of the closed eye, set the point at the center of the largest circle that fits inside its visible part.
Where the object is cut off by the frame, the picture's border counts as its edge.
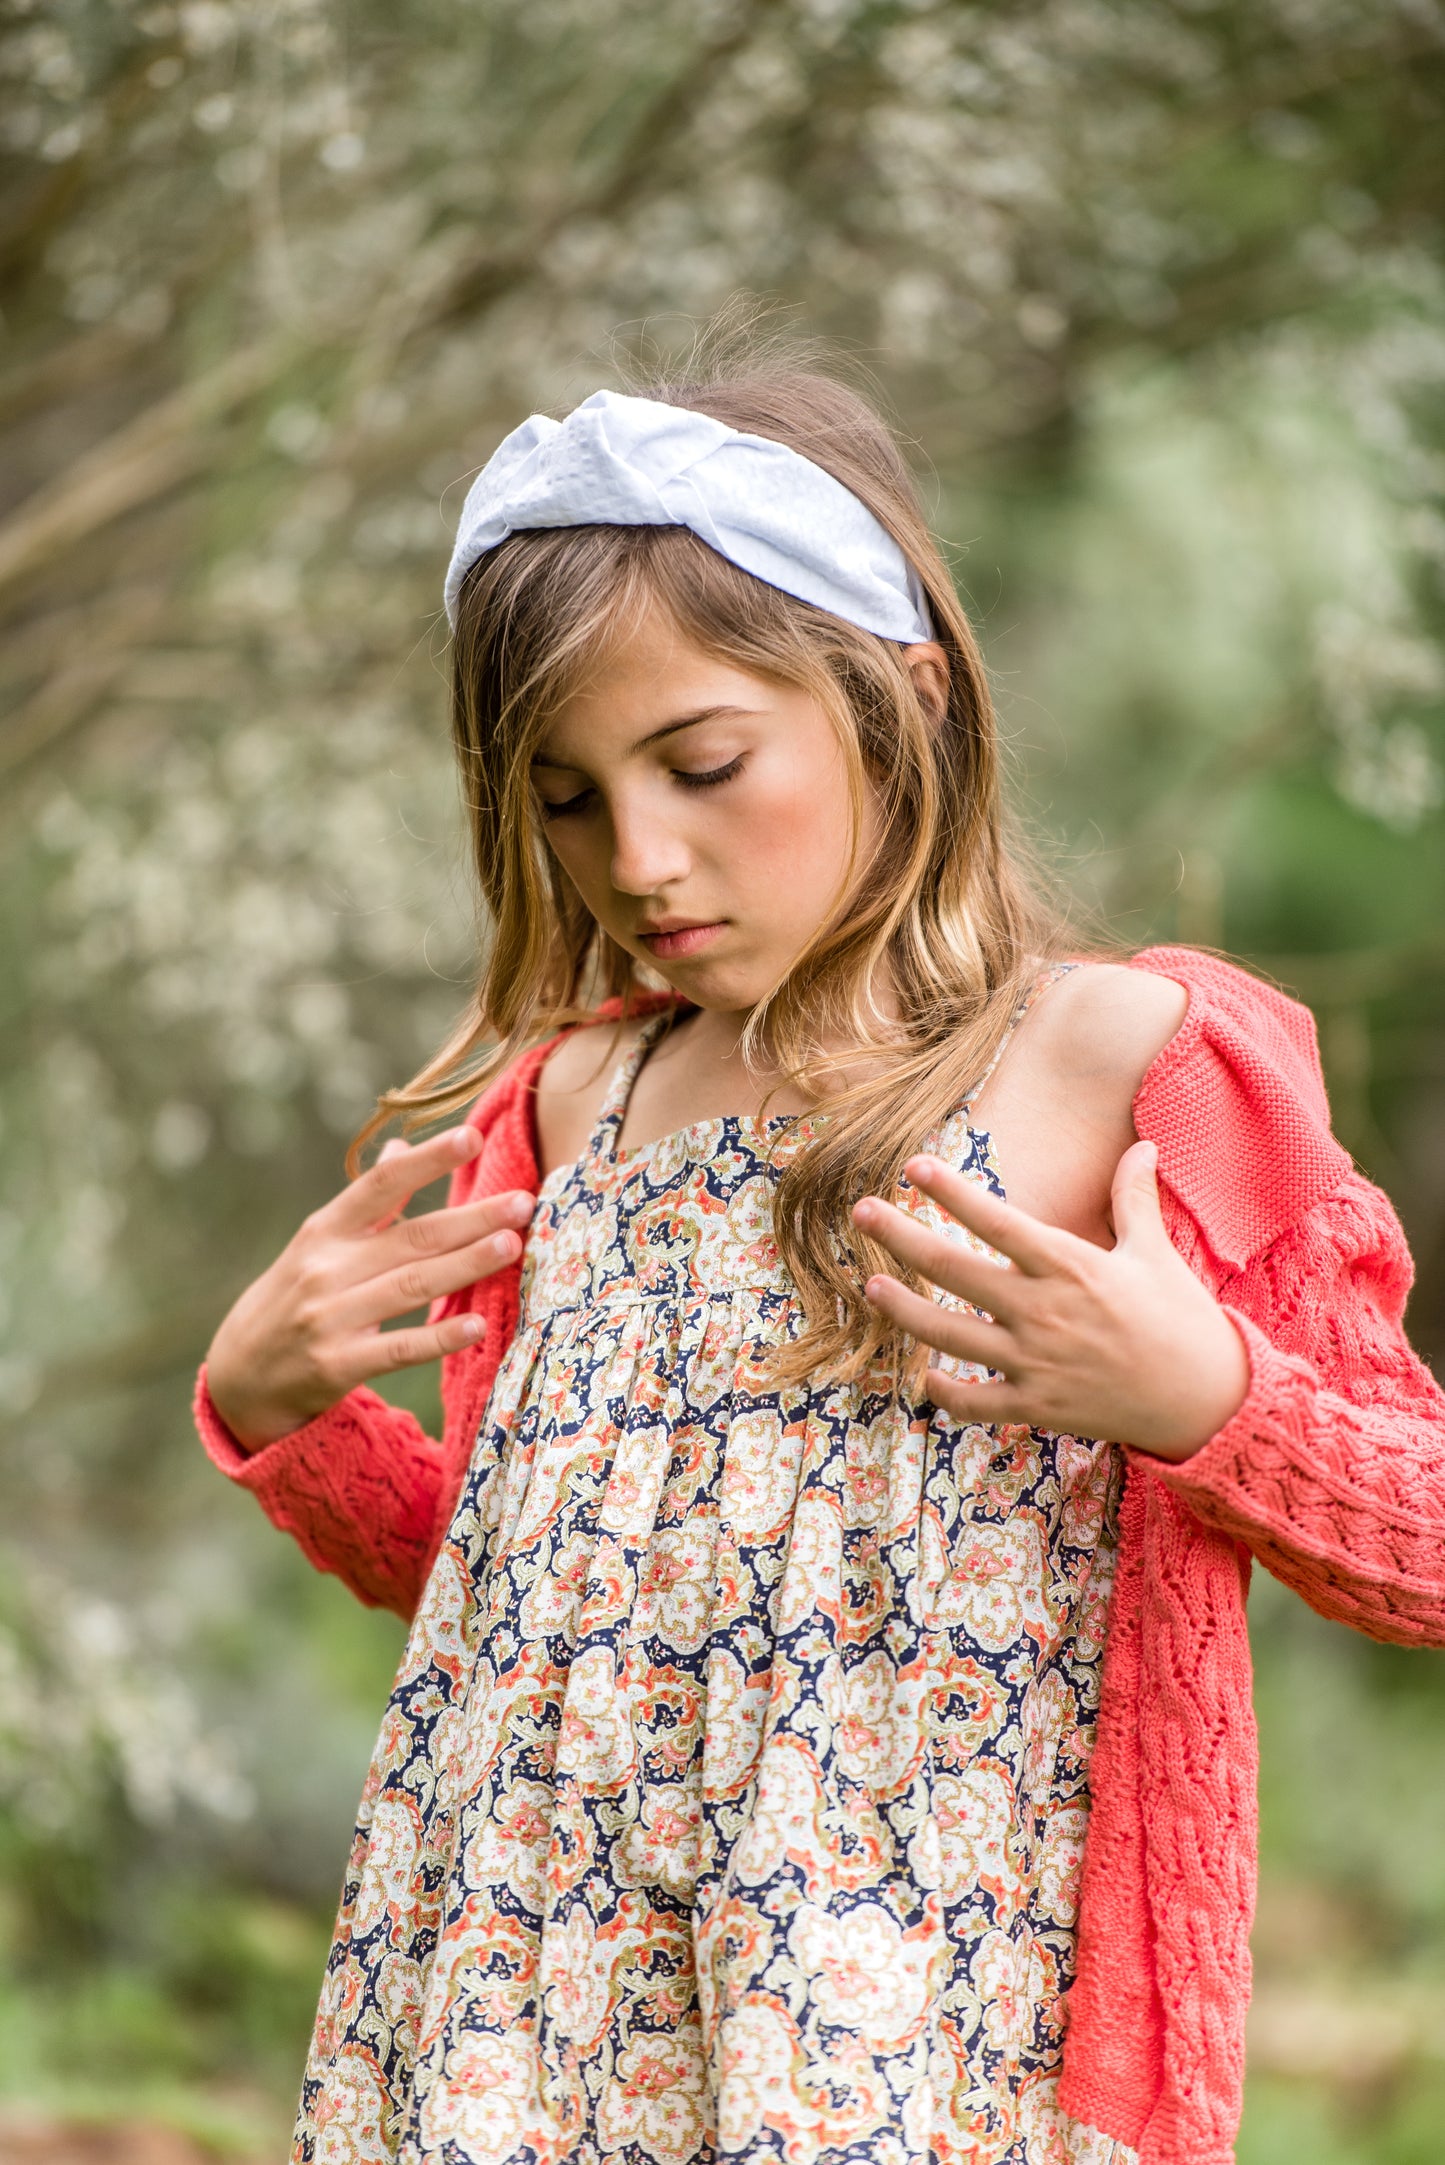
(713, 776)
(568, 804)
(709, 780)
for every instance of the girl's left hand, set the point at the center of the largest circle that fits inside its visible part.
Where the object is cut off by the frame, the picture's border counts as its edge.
(1122, 1343)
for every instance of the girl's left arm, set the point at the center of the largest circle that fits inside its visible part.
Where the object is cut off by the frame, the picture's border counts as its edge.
(1284, 1405)
(1332, 1471)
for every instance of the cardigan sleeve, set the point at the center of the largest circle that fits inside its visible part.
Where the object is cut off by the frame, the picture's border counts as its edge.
(1333, 1470)
(358, 1488)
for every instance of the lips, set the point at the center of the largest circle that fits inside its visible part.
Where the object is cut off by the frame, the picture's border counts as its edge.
(682, 939)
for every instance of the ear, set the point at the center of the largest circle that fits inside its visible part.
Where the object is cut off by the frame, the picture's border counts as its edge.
(927, 664)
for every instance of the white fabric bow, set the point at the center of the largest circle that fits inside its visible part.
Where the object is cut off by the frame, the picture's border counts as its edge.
(619, 461)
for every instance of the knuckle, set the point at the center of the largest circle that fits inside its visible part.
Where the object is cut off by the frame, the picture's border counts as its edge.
(421, 1235)
(1044, 1323)
(309, 1304)
(313, 1273)
(412, 1286)
(325, 1371)
(1025, 1335)
(400, 1349)
(308, 1324)
(380, 1186)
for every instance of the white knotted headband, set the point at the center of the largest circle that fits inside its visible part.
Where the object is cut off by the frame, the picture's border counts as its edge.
(619, 461)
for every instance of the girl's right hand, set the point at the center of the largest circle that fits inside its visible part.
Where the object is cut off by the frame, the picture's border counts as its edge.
(309, 1329)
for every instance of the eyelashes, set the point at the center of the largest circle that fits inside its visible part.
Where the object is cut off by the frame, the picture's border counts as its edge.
(713, 776)
(709, 780)
(558, 811)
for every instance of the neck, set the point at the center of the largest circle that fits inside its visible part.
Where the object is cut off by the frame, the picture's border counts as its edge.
(711, 1039)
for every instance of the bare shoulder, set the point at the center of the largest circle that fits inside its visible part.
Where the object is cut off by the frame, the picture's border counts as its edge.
(1060, 1106)
(571, 1083)
(1104, 1024)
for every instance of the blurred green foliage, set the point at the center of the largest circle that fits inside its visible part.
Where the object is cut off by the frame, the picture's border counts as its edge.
(1156, 288)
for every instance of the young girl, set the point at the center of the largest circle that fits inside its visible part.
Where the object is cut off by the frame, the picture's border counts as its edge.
(825, 1727)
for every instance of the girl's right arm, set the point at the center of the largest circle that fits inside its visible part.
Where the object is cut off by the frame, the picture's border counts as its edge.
(309, 1330)
(281, 1404)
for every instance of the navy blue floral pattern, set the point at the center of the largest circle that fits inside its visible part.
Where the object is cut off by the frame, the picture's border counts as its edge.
(731, 1798)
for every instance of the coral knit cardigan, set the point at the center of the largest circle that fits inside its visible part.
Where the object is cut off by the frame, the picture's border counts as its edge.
(1332, 1473)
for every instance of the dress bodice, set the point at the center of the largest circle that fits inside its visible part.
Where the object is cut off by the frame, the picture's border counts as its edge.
(732, 1793)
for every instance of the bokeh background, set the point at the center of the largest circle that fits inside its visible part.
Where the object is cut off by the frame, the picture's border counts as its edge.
(1156, 288)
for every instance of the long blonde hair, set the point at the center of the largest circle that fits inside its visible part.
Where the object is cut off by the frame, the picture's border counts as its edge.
(943, 903)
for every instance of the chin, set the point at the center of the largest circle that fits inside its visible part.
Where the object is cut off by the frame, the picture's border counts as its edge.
(725, 990)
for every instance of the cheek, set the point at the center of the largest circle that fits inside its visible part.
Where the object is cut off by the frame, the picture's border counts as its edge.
(566, 843)
(793, 824)
(584, 856)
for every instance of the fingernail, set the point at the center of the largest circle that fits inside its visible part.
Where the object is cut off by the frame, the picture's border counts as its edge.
(921, 1168)
(466, 1141)
(472, 1327)
(864, 1210)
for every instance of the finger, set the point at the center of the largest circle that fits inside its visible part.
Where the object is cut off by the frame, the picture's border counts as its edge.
(1026, 1241)
(989, 1405)
(393, 1147)
(946, 1330)
(382, 1353)
(418, 1284)
(942, 1261)
(440, 1232)
(1134, 1197)
(389, 1184)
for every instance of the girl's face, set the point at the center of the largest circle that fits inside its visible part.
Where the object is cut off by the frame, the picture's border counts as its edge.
(701, 813)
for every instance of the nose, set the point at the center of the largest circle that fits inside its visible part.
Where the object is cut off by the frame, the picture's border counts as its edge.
(647, 854)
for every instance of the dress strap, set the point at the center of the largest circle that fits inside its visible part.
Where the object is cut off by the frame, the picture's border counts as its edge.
(617, 1096)
(1040, 984)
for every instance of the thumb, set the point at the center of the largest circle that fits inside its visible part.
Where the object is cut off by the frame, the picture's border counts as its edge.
(1134, 1198)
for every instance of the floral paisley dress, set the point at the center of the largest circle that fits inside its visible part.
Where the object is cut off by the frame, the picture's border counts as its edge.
(730, 1800)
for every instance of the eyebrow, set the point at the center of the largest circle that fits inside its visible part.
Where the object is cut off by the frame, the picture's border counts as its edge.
(668, 729)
